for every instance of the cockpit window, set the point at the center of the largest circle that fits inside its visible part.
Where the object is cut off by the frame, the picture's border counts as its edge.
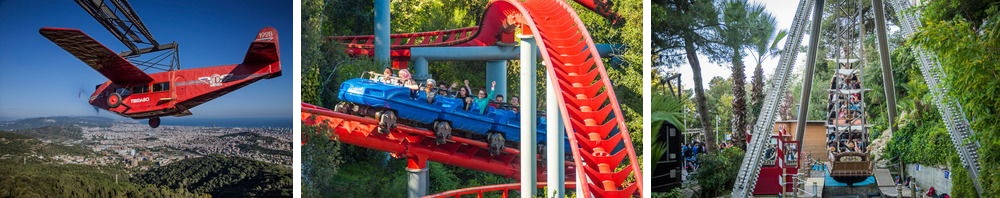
(163, 86)
(140, 89)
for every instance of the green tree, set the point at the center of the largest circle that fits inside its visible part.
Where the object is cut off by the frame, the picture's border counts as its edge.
(718, 171)
(764, 46)
(964, 36)
(719, 98)
(738, 32)
(684, 27)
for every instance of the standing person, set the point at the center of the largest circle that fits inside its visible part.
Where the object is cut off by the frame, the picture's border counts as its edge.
(686, 154)
(483, 100)
(703, 148)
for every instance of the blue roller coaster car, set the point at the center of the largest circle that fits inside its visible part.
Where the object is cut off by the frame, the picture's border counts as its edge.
(388, 101)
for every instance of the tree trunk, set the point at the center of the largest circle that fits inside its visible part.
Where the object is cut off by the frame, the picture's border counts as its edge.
(756, 96)
(699, 91)
(739, 100)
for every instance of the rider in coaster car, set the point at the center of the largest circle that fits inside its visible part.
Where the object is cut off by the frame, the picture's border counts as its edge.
(515, 104)
(387, 76)
(498, 103)
(407, 80)
(464, 91)
(481, 102)
(429, 88)
(467, 105)
(443, 89)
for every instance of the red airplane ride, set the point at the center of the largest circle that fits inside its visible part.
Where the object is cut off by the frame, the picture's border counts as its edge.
(132, 93)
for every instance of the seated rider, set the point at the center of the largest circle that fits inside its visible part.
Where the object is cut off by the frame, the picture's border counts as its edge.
(387, 76)
(483, 100)
(467, 105)
(429, 89)
(407, 80)
(443, 90)
(498, 102)
(464, 91)
(515, 104)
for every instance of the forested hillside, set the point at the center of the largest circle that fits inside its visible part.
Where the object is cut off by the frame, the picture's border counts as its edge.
(26, 171)
(222, 176)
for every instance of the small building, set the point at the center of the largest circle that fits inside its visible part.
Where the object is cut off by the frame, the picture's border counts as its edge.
(814, 138)
(785, 159)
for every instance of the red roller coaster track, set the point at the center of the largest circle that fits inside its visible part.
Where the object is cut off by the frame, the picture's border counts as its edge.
(589, 107)
(414, 143)
(496, 26)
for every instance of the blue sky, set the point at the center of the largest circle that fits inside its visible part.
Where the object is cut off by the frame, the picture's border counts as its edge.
(37, 78)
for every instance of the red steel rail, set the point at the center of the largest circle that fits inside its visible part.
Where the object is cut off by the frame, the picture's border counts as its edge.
(415, 143)
(482, 191)
(495, 27)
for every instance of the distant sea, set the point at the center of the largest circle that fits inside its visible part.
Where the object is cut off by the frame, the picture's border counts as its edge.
(229, 122)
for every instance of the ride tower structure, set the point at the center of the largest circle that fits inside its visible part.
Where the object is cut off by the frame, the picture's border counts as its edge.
(952, 114)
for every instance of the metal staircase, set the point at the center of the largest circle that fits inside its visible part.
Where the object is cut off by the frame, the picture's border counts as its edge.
(951, 112)
(752, 160)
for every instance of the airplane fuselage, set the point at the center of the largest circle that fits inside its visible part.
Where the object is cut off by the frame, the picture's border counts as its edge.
(132, 93)
(172, 93)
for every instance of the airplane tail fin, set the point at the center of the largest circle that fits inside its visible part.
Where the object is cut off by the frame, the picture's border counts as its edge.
(264, 49)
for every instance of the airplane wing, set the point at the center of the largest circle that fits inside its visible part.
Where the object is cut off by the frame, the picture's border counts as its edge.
(95, 54)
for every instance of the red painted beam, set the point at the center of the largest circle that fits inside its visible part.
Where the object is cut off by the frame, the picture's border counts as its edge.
(410, 142)
(502, 189)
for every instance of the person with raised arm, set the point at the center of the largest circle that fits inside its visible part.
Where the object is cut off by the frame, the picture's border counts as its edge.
(483, 99)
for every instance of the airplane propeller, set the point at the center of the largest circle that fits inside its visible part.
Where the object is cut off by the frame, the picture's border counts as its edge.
(82, 93)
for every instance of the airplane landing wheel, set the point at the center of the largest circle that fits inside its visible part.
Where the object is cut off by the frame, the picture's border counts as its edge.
(154, 122)
(496, 143)
(442, 130)
(386, 121)
(114, 100)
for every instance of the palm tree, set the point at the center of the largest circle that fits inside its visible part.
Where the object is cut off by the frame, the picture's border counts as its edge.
(764, 45)
(738, 32)
(665, 108)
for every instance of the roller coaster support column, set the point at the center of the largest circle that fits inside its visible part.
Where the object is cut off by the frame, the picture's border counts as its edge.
(382, 40)
(555, 155)
(416, 169)
(807, 82)
(883, 52)
(529, 56)
(496, 70)
(419, 68)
